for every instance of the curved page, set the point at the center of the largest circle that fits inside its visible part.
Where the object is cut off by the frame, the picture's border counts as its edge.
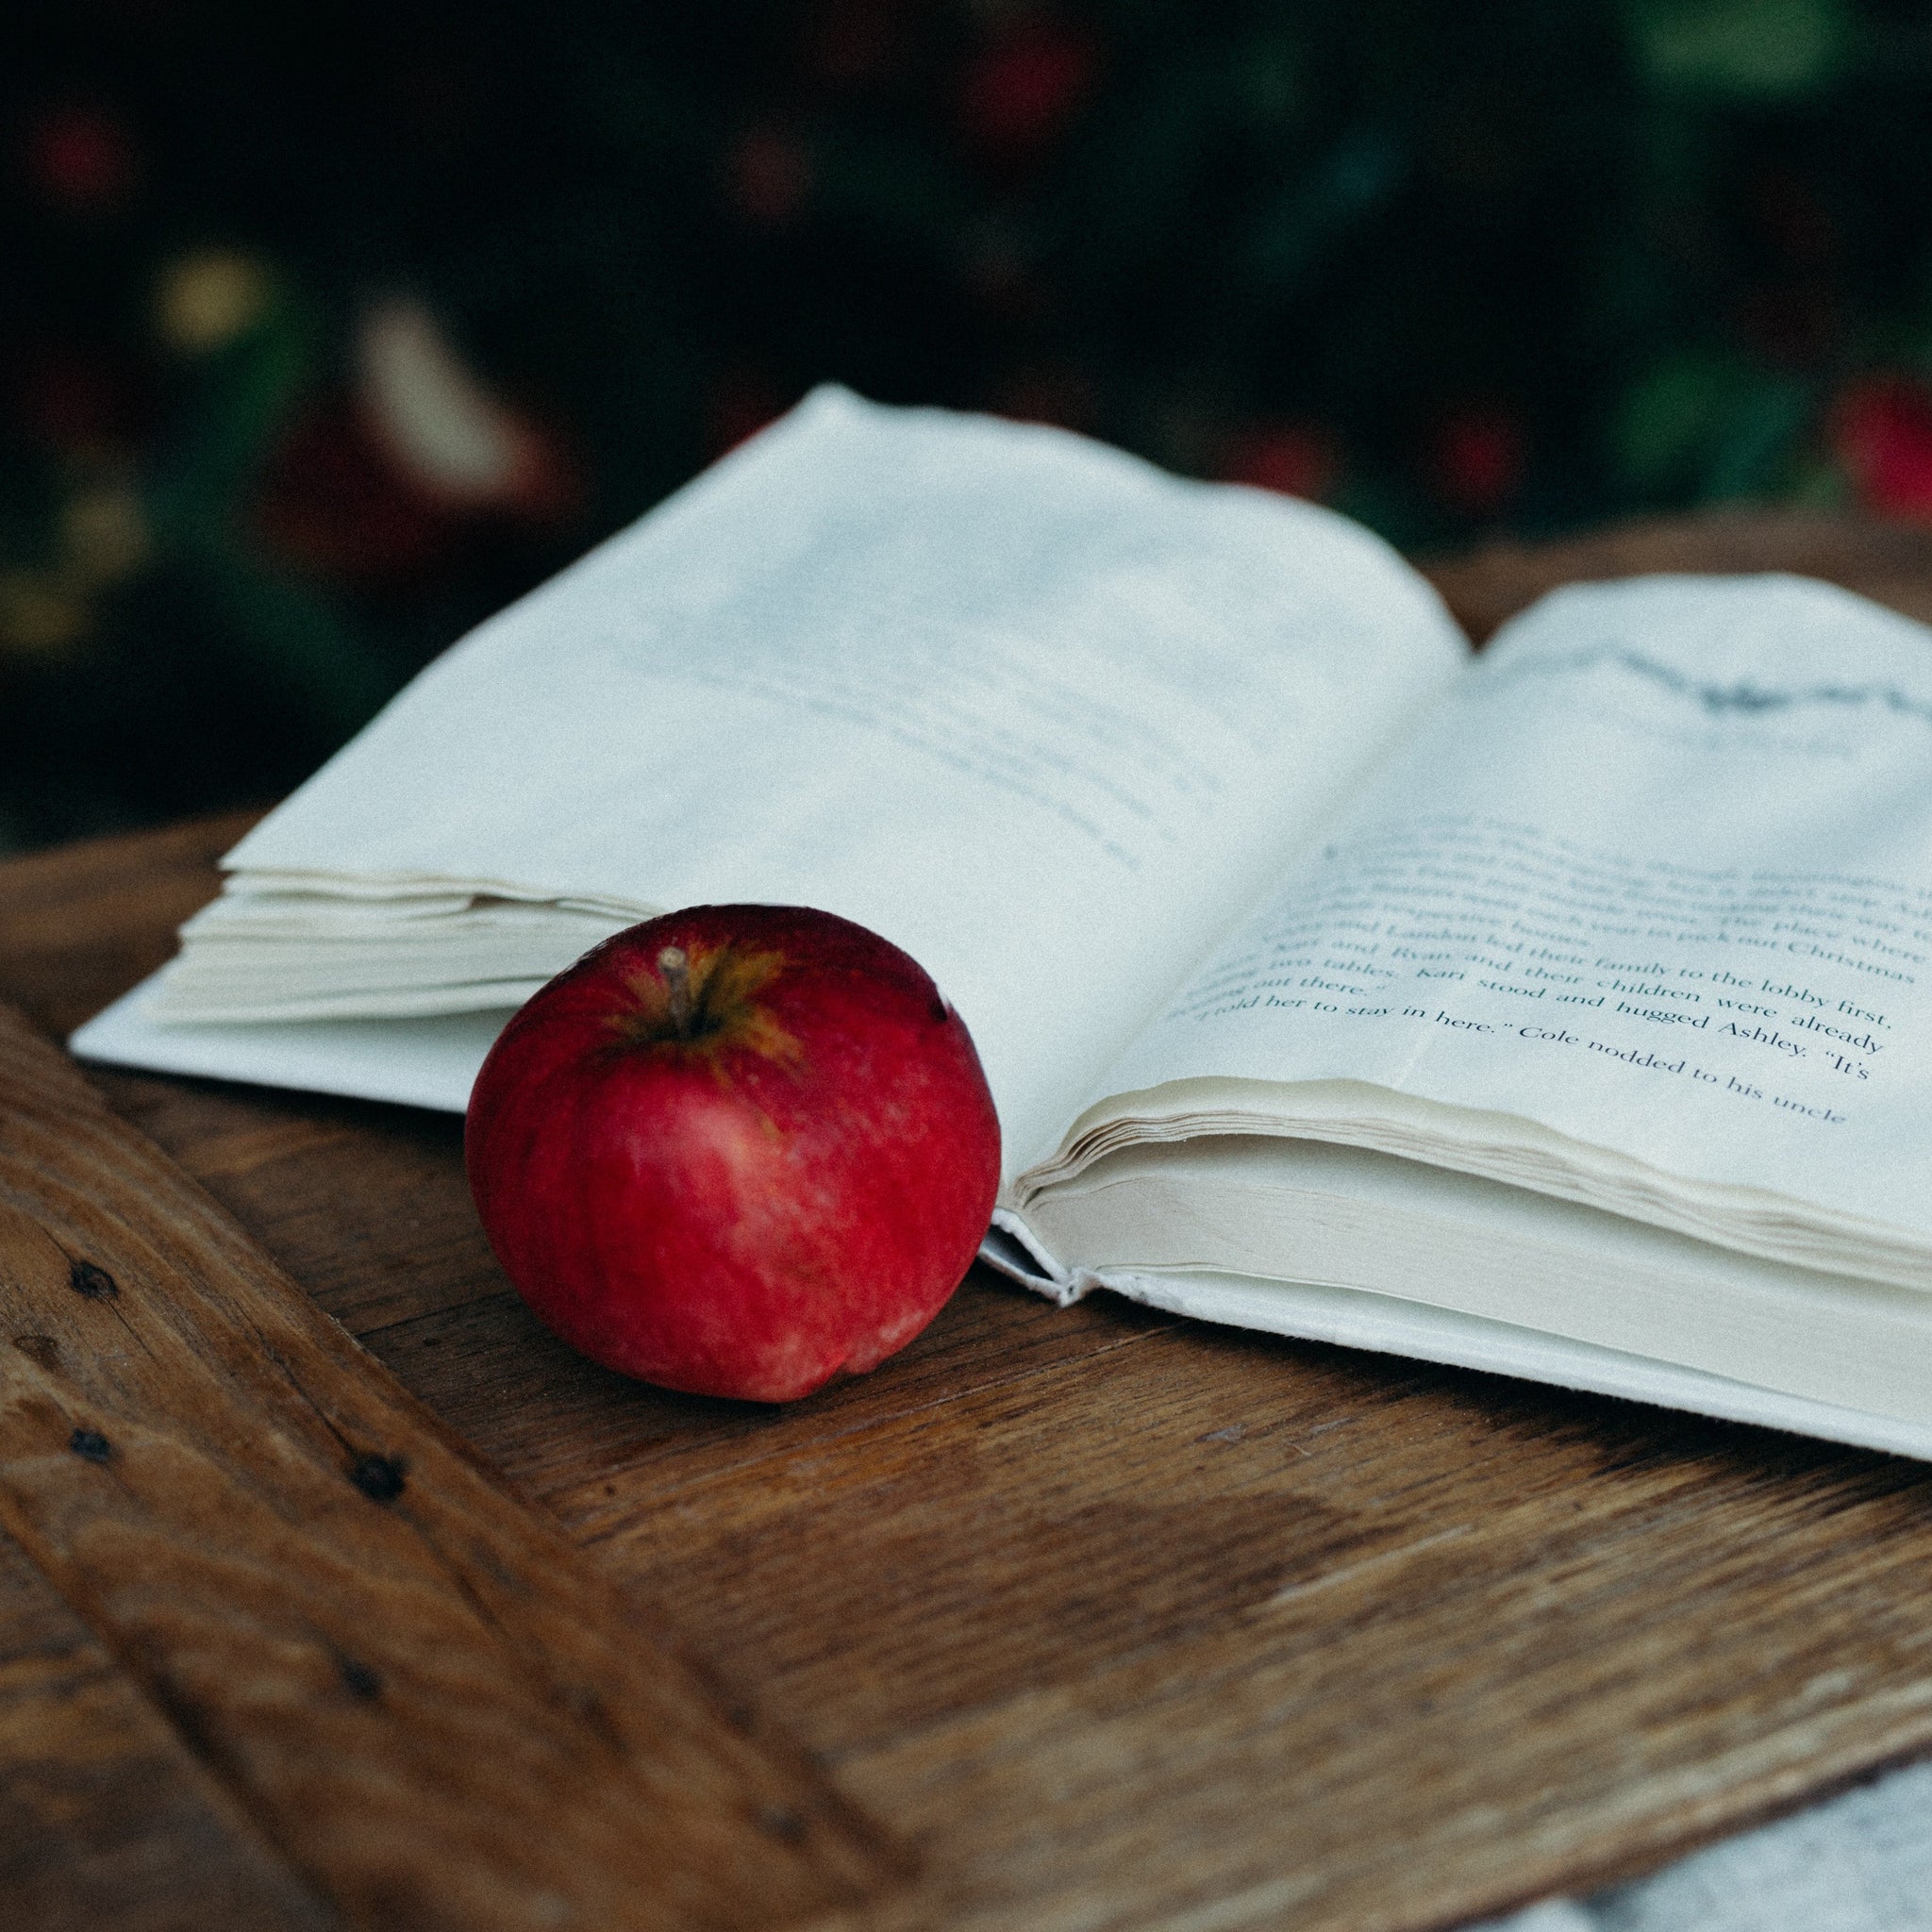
(1657, 880)
(1045, 717)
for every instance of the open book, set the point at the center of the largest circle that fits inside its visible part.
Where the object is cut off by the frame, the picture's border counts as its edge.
(1563, 1011)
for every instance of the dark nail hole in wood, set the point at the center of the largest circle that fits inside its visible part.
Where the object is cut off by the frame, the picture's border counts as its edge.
(94, 1282)
(358, 1679)
(781, 1822)
(92, 1444)
(379, 1478)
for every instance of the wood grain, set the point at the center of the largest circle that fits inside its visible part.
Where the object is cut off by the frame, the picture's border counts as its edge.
(105, 1818)
(80, 925)
(1129, 1623)
(438, 1713)
(1891, 563)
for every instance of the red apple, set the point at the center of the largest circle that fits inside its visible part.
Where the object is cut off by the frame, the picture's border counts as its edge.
(736, 1150)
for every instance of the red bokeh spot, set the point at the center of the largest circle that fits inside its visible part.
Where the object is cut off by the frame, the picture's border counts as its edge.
(334, 505)
(768, 176)
(1021, 91)
(1880, 431)
(1476, 460)
(80, 159)
(1289, 459)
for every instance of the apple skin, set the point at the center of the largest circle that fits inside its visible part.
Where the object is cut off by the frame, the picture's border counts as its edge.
(735, 1151)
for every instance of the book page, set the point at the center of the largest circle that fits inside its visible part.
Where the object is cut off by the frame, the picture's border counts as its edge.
(1042, 715)
(1657, 878)
(1375, 1225)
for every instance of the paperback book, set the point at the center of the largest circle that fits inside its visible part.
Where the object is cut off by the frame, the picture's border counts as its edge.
(1560, 1010)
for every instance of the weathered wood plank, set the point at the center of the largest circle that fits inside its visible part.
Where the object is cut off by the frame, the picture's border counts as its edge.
(80, 925)
(1214, 1630)
(437, 1711)
(107, 1823)
(1891, 562)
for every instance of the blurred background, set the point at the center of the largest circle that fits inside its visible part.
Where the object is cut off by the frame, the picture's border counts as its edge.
(323, 333)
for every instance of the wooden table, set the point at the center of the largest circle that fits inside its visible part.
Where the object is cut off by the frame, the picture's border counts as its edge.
(1083, 1620)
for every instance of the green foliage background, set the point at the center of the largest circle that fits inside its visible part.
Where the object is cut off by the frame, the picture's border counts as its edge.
(1455, 269)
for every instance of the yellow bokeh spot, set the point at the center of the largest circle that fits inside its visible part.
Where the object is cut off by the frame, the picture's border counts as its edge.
(104, 534)
(204, 301)
(38, 616)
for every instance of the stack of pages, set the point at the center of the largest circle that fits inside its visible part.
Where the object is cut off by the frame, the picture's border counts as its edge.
(1562, 1013)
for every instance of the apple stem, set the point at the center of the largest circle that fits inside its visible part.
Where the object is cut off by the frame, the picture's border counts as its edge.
(676, 967)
